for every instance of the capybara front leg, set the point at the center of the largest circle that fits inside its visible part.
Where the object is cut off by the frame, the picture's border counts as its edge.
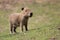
(21, 25)
(26, 27)
(22, 28)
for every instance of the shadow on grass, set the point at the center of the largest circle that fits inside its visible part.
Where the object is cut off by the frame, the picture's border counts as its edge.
(34, 29)
(8, 35)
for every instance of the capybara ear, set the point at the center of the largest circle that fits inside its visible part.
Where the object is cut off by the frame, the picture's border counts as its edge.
(22, 8)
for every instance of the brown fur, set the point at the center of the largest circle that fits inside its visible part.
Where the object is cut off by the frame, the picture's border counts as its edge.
(20, 19)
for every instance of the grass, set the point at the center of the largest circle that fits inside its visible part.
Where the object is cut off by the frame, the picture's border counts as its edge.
(42, 26)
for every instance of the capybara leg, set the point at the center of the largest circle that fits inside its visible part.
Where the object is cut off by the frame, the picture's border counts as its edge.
(21, 25)
(22, 28)
(15, 29)
(26, 27)
(11, 29)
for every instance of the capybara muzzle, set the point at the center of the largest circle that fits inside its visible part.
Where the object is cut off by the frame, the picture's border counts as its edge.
(31, 14)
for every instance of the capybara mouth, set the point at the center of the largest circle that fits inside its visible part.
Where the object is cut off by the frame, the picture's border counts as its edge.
(31, 14)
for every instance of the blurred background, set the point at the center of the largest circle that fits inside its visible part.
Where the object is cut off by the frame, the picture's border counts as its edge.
(13, 4)
(44, 25)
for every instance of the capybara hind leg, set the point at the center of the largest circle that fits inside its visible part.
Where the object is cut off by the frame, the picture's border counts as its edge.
(11, 29)
(15, 29)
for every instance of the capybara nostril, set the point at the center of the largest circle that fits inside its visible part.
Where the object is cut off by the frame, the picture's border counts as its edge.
(31, 14)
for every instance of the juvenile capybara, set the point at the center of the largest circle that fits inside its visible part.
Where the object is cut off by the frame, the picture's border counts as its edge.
(20, 19)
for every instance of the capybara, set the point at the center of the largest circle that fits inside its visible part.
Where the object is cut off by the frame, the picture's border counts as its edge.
(20, 19)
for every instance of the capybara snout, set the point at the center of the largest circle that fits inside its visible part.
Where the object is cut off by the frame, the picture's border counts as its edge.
(22, 8)
(31, 14)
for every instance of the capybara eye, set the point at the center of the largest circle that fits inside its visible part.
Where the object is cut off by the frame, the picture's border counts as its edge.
(26, 10)
(22, 8)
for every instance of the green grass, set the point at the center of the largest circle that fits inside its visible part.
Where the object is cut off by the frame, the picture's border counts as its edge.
(42, 26)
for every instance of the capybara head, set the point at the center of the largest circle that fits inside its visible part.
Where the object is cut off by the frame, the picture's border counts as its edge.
(27, 12)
